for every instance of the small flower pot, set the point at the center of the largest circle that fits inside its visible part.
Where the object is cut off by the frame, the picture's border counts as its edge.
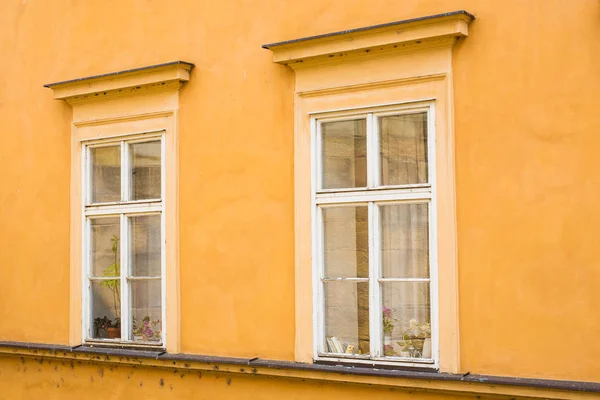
(113, 333)
(418, 343)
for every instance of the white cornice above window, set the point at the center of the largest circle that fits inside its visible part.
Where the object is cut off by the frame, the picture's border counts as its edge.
(151, 78)
(401, 36)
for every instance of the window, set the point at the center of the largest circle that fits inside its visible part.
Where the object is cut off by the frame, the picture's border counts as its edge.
(404, 194)
(374, 235)
(125, 205)
(123, 256)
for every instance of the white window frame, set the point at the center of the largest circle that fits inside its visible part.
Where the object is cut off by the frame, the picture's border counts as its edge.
(372, 195)
(122, 209)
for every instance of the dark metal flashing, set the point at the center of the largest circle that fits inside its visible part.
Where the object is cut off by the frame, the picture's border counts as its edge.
(366, 28)
(550, 384)
(50, 85)
(350, 363)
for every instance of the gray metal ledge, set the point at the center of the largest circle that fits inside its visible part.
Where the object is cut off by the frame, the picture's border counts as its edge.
(366, 28)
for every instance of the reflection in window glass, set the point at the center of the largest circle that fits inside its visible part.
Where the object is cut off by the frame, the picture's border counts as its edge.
(344, 154)
(346, 242)
(104, 243)
(347, 317)
(106, 309)
(105, 174)
(404, 240)
(146, 310)
(144, 245)
(406, 319)
(145, 170)
(403, 148)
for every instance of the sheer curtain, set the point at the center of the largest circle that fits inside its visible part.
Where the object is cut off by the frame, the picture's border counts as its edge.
(405, 230)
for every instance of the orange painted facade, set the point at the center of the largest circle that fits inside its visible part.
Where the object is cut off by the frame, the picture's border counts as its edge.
(525, 95)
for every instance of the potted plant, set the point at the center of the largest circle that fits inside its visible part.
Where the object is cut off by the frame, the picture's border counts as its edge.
(388, 327)
(413, 339)
(145, 330)
(112, 328)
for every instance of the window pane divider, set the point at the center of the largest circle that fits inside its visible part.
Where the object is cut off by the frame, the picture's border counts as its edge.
(378, 187)
(122, 203)
(345, 279)
(404, 280)
(143, 278)
(142, 208)
(397, 195)
(103, 278)
(374, 292)
(124, 243)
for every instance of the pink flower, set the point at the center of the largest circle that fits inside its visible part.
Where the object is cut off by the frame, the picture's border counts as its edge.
(387, 312)
(388, 350)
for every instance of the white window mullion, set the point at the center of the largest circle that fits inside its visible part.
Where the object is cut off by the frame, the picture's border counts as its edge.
(124, 242)
(374, 339)
(374, 274)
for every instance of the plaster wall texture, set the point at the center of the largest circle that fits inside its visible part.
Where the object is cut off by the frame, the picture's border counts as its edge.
(526, 84)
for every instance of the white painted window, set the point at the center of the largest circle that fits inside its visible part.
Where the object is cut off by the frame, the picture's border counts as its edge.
(374, 220)
(123, 243)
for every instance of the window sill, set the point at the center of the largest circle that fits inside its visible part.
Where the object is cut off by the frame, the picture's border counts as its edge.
(115, 344)
(376, 364)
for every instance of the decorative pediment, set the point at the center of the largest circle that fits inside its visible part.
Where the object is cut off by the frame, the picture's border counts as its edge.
(401, 36)
(151, 78)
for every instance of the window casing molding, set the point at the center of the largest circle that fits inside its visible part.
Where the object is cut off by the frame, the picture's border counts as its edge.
(377, 67)
(116, 106)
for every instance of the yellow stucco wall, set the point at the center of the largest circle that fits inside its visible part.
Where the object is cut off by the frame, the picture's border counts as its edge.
(526, 82)
(51, 379)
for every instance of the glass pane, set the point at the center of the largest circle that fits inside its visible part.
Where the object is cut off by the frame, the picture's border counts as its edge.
(104, 246)
(346, 317)
(346, 242)
(105, 174)
(405, 240)
(146, 310)
(106, 309)
(406, 318)
(144, 231)
(145, 170)
(403, 146)
(344, 157)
